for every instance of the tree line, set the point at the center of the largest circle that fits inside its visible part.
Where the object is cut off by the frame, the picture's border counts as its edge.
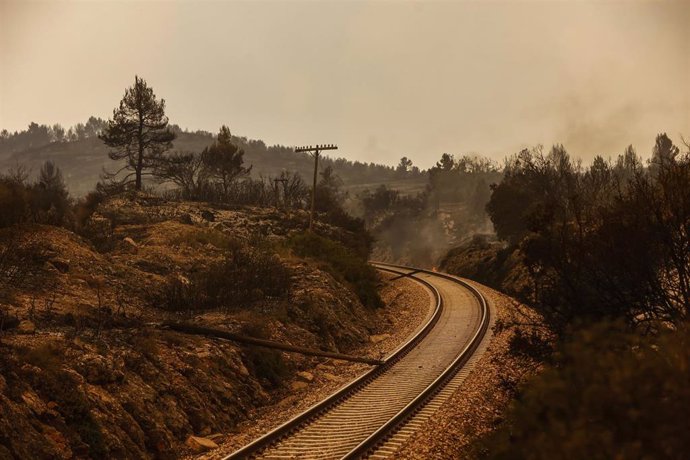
(606, 254)
(38, 135)
(267, 159)
(611, 240)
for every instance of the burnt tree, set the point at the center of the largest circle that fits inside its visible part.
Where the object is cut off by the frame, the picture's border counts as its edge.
(138, 132)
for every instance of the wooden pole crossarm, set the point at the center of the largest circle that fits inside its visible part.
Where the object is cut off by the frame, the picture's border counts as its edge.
(316, 149)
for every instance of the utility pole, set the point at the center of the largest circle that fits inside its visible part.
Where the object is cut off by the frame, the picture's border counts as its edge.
(315, 151)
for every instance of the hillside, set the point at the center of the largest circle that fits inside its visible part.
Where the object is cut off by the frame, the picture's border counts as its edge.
(82, 161)
(86, 373)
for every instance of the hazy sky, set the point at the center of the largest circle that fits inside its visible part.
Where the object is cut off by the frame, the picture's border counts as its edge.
(381, 79)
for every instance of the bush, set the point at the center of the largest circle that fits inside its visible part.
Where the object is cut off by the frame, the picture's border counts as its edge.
(244, 276)
(342, 263)
(204, 237)
(85, 207)
(45, 201)
(14, 202)
(613, 394)
(21, 256)
(267, 364)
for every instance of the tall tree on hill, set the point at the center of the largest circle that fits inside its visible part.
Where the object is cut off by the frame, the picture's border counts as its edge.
(224, 160)
(138, 132)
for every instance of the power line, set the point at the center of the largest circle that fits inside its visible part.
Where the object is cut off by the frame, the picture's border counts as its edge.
(315, 150)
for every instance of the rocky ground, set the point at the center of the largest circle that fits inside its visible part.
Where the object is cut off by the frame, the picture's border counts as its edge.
(86, 373)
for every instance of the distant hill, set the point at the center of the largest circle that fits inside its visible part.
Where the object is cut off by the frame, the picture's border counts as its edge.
(82, 161)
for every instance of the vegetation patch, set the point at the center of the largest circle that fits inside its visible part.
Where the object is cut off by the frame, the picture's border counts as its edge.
(267, 364)
(614, 394)
(244, 276)
(342, 263)
(205, 237)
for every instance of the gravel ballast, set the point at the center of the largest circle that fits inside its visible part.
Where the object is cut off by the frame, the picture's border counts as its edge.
(478, 406)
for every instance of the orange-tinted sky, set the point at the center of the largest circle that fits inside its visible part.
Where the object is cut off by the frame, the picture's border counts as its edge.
(381, 79)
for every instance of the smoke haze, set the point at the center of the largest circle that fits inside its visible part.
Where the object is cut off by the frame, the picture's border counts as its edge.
(382, 80)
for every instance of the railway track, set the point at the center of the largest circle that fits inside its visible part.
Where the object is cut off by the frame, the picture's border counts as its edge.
(373, 415)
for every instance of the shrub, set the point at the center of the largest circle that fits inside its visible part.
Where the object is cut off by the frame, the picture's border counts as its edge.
(613, 394)
(50, 199)
(85, 207)
(265, 363)
(244, 276)
(21, 255)
(204, 237)
(45, 201)
(14, 201)
(342, 263)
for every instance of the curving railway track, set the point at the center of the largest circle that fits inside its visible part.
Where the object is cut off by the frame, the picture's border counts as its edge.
(373, 415)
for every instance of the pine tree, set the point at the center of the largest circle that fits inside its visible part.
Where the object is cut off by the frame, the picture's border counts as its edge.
(138, 132)
(224, 160)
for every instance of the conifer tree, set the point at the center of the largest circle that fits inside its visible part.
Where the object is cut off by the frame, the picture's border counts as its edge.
(138, 132)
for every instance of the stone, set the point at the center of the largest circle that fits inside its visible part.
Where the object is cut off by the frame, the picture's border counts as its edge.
(26, 327)
(98, 370)
(33, 402)
(59, 441)
(305, 376)
(330, 377)
(378, 338)
(199, 444)
(81, 283)
(243, 370)
(296, 386)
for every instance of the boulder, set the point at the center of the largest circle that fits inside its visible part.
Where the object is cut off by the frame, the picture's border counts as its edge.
(98, 370)
(378, 338)
(33, 402)
(296, 386)
(26, 327)
(243, 370)
(305, 376)
(199, 444)
(330, 377)
(130, 242)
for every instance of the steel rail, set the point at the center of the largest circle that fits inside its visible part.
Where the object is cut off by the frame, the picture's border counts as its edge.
(390, 426)
(346, 391)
